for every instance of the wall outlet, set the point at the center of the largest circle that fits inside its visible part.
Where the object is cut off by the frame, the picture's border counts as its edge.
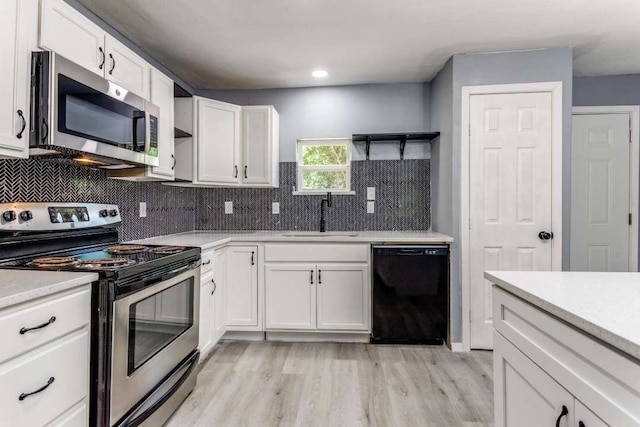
(228, 208)
(275, 208)
(371, 207)
(143, 209)
(371, 193)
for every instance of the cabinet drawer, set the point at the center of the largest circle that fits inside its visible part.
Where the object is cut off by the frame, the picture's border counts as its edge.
(289, 252)
(66, 361)
(77, 417)
(207, 261)
(572, 358)
(71, 311)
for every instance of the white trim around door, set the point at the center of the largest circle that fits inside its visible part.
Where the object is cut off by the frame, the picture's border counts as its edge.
(555, 88)
(634, 171)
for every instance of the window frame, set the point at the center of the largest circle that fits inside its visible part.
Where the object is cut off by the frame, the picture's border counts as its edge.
(300, 168)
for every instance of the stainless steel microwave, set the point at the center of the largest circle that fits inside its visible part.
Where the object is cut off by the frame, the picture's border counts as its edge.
(80, 115)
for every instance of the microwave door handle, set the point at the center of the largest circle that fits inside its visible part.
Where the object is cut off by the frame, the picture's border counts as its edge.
(135, 130)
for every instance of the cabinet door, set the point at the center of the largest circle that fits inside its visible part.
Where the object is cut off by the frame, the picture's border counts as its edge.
(241, 286)
(256, 144)
(125, 68)
(204, 334)
(67, 32)
(219, 321)
(586, 417)
(343, 297)
(290, 296)
(162, 96)
(217, 142)
(525, 395)
(18, 23)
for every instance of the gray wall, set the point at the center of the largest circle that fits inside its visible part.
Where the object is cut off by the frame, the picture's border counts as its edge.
(607, 90)
(486, 69)
(340, 111)
(109, 29)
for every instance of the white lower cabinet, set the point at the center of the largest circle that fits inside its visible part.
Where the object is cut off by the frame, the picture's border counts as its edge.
(343, 297)
(241, 280)
(317, 296)
(212, 309)
(290, 296)
(547, 373)
(44, 378)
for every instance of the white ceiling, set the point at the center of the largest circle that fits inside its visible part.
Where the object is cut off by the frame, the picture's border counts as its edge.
(248, 44)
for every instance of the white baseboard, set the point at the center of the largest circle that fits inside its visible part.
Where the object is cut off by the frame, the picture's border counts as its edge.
(243, 336)
(318, 337)
(457, 347)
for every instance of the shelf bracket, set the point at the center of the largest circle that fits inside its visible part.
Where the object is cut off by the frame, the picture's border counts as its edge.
(368, 146)
(403, 142)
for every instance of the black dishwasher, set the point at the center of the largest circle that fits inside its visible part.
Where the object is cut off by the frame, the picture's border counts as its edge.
(410, 294)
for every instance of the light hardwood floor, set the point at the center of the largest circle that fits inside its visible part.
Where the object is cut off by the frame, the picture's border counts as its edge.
(326, 384)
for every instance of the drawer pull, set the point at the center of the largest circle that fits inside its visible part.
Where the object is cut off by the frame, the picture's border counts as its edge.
(206, 263)
(215, 287)
(25, 330)
(581, 424)
(564, 412)
(43, 388)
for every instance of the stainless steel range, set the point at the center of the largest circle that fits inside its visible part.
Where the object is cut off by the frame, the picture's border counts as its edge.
(144, 304)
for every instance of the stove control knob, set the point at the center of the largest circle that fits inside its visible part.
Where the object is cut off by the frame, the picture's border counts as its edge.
(104, 213)
(113, 212)
(9, 216)
(26, 215)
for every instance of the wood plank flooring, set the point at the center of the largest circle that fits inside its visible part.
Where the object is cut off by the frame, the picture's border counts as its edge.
(326, 384)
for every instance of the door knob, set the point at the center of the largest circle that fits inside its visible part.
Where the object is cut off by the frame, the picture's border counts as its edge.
(545, 235)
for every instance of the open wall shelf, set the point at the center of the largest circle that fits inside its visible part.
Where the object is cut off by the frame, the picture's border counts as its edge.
(402, 139)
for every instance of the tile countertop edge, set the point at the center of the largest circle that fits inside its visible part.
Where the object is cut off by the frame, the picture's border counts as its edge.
(622, 344)
(19, 286)
(212, 239)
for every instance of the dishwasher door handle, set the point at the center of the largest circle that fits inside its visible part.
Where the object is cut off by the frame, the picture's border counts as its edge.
(410, 251)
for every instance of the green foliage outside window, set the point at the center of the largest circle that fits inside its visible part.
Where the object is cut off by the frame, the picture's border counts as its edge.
(324, 155)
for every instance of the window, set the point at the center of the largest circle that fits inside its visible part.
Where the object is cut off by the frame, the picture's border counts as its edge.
(324, 165)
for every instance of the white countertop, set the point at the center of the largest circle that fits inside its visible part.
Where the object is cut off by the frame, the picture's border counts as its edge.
(211, 239)
(605, 305)
(18, 286)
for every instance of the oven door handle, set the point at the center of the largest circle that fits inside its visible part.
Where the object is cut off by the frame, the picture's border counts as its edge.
(135, 418)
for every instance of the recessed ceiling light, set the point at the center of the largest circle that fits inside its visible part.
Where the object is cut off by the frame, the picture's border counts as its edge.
(320, 74)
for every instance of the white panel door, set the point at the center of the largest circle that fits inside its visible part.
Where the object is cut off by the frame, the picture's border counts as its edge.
(241, 286)
(510, 194)
(217, 142)
(343, 297)
(600, 192)
(18, 20)
(126, 69)
(290, 292)
(162, 96)
(67, 32)
(256, 146)
(525, 395)
(206, 314)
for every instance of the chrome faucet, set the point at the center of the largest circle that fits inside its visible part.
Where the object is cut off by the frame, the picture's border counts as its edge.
(323, 222)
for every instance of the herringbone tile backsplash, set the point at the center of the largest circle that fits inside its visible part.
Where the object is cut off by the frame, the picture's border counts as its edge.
(169, 209)
(403, 200)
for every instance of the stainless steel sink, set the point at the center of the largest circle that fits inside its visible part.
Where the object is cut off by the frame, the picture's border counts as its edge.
(319, 234)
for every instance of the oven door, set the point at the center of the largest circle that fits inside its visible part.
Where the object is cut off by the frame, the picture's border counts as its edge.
(154, 330)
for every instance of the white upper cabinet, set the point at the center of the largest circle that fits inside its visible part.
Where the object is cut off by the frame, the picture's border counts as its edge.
(127, 69)
(217, 136)
(162, 96)
(260, 145)
(18, 30)
(232, 146)
(67, 32)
